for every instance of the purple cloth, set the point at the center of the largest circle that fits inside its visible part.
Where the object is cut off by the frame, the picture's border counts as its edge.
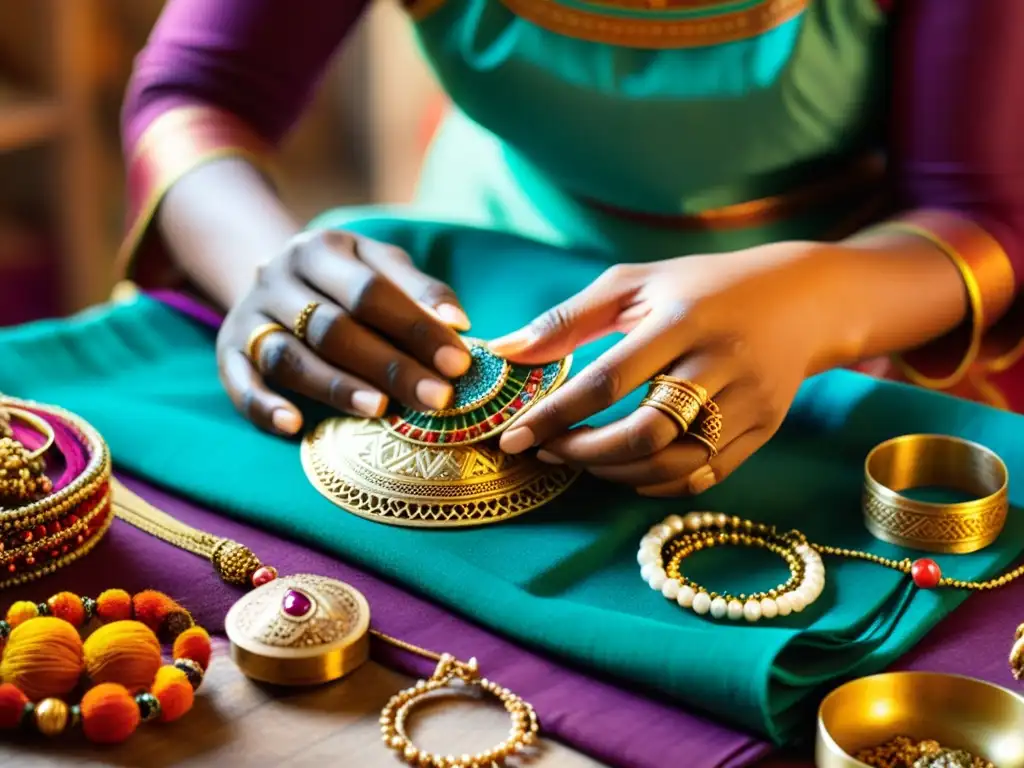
(613, 725)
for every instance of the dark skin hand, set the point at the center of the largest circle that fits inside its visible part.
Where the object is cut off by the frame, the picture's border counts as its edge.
(382, 330)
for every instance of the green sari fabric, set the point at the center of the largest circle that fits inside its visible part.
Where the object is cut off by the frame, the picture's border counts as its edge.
(563, 579)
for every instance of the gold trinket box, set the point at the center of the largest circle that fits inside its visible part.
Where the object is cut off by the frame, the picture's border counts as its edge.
(958, 712)
(442, 468)
(299, 630)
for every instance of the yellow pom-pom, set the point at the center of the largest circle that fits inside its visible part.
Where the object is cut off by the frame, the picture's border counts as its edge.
(174, 692)
(124, 652)
(21, 611)
(114, 605)
(109, 714)
(67, 606)
(43, 658)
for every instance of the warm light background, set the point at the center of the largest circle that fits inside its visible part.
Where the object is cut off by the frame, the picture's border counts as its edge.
(63, 69)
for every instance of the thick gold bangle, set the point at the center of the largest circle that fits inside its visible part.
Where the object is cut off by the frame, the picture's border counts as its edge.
(940, 461)
(36, 423)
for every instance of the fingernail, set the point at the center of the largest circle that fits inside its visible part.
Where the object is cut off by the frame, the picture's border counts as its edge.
(453, 316)
(549, 458)
(452, 361)
(702, 479)
(433, 394)
(369, 404)
(285, 421)
(517, 440)
(512, 343)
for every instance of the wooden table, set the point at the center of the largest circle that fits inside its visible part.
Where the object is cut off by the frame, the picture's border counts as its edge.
(239, 723)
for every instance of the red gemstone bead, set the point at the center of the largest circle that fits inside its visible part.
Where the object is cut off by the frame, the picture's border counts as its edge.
(925, 573)
(459, 436)
(72, 519)
(264, 575)
(430, 437)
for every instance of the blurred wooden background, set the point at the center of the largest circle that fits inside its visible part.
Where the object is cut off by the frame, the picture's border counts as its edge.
(63, 69)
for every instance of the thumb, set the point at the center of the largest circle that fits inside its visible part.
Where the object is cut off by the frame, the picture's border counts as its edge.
(590, 314)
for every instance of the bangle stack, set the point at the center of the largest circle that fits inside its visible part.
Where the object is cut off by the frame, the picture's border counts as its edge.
(668, 544)
(46, 530)
(43, 659)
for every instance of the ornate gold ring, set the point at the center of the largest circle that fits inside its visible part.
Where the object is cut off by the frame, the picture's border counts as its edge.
(935, 461)
(257, 337)
(301, 326)
(678, 399)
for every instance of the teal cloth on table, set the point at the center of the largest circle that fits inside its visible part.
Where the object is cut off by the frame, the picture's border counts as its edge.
(564, 578)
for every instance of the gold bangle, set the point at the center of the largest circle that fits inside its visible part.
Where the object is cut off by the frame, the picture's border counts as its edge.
(38, 424)
(257, 337)
(918, 461)
(302, 320)
(678, 399)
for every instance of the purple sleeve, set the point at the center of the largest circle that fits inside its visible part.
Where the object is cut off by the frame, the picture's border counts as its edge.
(958, 113)
(257, 59)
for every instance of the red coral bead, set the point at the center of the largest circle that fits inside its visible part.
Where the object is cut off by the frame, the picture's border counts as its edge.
(926, 573)
(264, 575)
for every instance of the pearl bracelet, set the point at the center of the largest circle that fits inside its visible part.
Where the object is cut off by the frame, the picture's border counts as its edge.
(667, 544)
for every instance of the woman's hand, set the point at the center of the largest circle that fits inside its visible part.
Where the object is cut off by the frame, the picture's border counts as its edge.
(748, 326)
(381, 329)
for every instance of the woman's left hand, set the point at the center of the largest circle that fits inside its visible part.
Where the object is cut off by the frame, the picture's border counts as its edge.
(748, 326)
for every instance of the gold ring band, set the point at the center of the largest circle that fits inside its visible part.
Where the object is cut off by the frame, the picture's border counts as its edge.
(256, 338)
(678, 399)
(38, 424)
(302, 320)
(937, 461)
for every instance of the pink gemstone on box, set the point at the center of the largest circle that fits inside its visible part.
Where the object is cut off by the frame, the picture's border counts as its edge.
(296, 604)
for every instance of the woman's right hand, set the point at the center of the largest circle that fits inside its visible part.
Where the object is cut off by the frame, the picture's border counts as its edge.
(382, 329)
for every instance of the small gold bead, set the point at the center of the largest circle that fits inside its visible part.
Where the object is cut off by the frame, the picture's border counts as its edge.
(411, 753)
(396, 742)
(51, 716)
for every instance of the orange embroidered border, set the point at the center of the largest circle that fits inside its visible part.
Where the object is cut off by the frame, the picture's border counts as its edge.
(177, 142)
(659, 33)
(988, 278)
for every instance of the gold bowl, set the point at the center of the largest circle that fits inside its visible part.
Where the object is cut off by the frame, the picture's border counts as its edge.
(958, 712)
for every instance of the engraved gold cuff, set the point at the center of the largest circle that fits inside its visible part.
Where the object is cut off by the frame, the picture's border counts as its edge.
(937, 461)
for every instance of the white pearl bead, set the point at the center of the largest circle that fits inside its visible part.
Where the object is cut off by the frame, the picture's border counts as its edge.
(796, 601)
(752, 610)
(651, 541)
(782, 603)
(661, 531)
(769, 608)
(735, 610)
(645, 556)
(707, 519)
(718, 608)
(686, 596)
(721, 520)
(802, 549)
(702, 603)
(808, 595)
(675, 522)
(647, 570)
(693, 521)
(670, 589)
(658, 579)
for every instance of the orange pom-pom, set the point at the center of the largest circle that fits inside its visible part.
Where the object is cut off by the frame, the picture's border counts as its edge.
(43, 658)
(12, 706)
(109, 714)
(114, 605)
(67, 606)
(152, 608)
(174, 692)
(194, 644)
(20, 612)
(125, 652)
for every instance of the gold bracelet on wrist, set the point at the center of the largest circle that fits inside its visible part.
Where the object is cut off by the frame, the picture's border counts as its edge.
(937, 461)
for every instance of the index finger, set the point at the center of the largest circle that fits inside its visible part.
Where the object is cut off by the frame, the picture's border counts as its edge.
(642, 354)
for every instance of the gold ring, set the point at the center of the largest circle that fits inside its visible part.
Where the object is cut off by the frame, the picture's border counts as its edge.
(40, 425)
(679, 399)
(938, 461)
(302, 320)
(709, 430)
(257, 337)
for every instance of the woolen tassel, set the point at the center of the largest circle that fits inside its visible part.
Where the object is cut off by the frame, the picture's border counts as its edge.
(194, 644)
(12, 706)
(114, 605)
(43, 658)
(174, 692)
(124, 652)
(109, 714)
